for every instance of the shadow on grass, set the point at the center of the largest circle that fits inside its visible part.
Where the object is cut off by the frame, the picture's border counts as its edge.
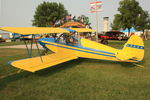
(59, 67)
(12, 78)
(45, 72)
(114, 63)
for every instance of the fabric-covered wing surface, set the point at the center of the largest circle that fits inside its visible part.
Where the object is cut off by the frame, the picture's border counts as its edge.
(33, 30)
(35, 64)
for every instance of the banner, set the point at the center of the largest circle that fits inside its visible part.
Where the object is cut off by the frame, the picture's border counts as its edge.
(96, 6)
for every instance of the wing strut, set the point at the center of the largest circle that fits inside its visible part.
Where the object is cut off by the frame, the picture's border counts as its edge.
(37, 48)
(26, 46)
(30, 51)
(31, 47)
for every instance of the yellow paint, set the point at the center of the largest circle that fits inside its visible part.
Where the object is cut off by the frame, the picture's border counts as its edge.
(98, 46)
(33, 30)
(79, 52)
(41, 30)
(59, 49)
(35, 64)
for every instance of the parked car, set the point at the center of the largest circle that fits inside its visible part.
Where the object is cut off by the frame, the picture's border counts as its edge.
(113, 35)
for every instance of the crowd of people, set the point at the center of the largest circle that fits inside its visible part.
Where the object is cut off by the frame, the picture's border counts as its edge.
(82, 19)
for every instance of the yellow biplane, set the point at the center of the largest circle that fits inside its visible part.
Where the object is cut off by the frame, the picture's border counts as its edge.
(133, 50)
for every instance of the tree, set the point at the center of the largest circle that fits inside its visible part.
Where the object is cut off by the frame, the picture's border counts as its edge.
(142, 22)
(116, 25)
(47, 13)
(129, 10)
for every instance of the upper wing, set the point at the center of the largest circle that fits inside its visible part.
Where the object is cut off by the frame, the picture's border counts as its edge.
(35, 64)
(40, 30)
(34, 30)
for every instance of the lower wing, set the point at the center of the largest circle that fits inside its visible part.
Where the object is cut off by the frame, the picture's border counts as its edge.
(35, 63)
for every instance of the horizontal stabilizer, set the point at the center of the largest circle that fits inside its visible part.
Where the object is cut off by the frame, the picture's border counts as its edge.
(35, 64)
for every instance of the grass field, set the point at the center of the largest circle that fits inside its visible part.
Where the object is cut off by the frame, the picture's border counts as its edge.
(81, 79)
(11, 43)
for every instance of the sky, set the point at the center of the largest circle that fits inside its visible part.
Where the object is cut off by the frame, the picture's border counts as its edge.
(19, 13)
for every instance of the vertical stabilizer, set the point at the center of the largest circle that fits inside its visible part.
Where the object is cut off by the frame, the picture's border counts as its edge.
(133, 49)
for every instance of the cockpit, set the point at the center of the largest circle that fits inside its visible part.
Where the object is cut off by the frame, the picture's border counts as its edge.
(68, 39)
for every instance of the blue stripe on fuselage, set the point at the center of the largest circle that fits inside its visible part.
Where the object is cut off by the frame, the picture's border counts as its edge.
(80, 50)
(53, 41)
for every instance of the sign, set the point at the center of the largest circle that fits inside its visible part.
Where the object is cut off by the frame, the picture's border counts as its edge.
(96, 6)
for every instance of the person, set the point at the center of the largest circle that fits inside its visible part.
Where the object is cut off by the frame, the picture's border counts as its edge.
(78, 19)
(119, 37)
(62, 21)
(70, 38)
(74, 18)
(57, 23)
(86, 20)
(82, 20)
(65, 38)
(70, 17)
(43, 36)
(65, 19)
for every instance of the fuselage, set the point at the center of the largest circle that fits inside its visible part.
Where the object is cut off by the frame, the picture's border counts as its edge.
(84, 48)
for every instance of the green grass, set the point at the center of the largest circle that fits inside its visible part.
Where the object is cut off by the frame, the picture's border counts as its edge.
(116, 43)
(81, 79)
(11, 43)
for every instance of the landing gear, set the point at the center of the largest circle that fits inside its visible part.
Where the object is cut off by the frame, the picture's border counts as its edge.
(104, 41)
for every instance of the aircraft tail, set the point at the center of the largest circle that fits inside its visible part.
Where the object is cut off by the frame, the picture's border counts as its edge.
(132, 50)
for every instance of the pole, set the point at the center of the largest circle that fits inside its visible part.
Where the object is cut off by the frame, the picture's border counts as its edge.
(96, 22)
(96, 26)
